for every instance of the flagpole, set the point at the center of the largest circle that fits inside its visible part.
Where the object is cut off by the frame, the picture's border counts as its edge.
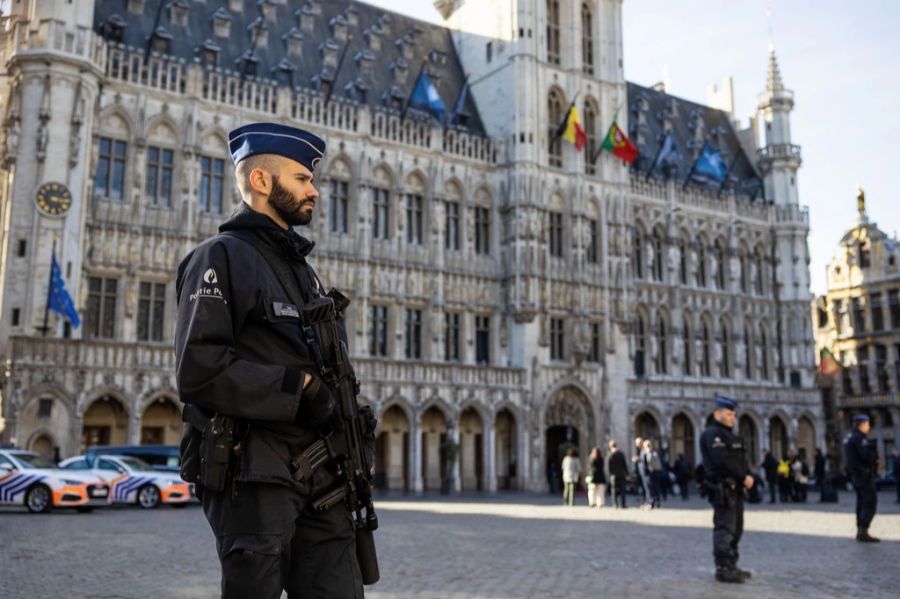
(693, 166)
(728, 172)
(413, 90)
(337, 70)
(459, 96)
(658, 153)
(49, 291)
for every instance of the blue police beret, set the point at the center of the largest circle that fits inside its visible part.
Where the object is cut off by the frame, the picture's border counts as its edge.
(272, 138)
(858, 418)
(725, 402)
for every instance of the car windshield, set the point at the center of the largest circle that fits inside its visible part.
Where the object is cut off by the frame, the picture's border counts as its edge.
(135, 463)
(33, 460)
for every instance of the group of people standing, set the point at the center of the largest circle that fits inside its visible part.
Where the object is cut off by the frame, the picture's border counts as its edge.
(788, 477)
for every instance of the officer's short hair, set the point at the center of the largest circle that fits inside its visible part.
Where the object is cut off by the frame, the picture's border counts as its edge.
(266, 162)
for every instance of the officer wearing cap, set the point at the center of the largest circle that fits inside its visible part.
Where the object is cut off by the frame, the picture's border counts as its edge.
(862, 463)
(727, 475)
(247, 378)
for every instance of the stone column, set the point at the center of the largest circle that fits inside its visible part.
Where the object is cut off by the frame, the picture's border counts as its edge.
(134, 429)
(415, 458)
(490, 457)
(453, 433)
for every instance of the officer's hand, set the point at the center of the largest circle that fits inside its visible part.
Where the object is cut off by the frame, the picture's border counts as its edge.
(748, 481)
(317, 403)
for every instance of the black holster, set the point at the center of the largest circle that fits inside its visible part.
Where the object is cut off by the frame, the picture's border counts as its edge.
(215, 452)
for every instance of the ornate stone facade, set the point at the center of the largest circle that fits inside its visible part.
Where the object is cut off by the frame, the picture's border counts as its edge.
(509, 293)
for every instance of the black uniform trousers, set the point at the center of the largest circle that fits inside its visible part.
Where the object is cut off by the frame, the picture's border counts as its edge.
(728, 526)
(269, 539)
(866, 502)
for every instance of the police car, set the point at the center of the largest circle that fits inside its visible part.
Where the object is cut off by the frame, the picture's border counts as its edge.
(30, 479)
(132, 480)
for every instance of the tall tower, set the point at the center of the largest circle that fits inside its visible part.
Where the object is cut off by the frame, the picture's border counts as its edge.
(779, 161)
(53, 67)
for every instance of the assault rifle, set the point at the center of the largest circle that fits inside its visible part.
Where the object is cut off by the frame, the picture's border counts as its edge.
(349, 445)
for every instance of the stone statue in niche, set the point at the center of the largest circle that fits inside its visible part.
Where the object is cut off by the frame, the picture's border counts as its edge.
(42, 138)
(12, 140)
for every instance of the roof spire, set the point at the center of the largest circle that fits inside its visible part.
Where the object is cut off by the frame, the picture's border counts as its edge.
(862, 217)
(773, 78)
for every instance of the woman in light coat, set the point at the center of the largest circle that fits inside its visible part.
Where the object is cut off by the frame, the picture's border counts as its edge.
(571, 471)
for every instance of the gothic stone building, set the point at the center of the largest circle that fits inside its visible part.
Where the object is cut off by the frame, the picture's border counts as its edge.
(858, 320)
(508, 293)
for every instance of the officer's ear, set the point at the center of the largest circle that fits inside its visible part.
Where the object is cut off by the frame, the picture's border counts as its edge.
(260, 180)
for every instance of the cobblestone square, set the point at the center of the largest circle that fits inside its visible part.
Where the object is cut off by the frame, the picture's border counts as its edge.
(490, 547)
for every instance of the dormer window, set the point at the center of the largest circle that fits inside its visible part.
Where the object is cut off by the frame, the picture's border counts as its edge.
(358, 90)
(293, 40)
(247, 63)
(236, 6)
(407, 46)
(323, 82)
(339, 28)
(864, 255)
(366, 62)
(315, 6)
(136, 7)
(259, 33)
(178, 12)
(395, 97)
(114, 29)
(373, 37)
(307, 19)
(400, 69)
(209, 53)
(284, 72)
(329, 51)
(352, 16)
(160, 41)
(222, 23)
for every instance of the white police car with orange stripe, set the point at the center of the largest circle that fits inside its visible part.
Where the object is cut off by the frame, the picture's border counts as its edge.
(132, 480)
(33, 481)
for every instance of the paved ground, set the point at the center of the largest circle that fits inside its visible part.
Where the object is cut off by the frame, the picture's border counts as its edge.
(502, 547)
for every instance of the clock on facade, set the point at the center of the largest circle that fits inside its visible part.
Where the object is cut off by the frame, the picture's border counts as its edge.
(54, 198)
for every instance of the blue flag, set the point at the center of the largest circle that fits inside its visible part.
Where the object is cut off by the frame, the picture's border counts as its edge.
(710, 164)
(668, 154)
(59, 299)
(425, 97)
(460, 103)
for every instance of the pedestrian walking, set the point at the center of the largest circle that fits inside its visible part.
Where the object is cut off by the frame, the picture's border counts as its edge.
(596, 479)
(246, 373)
(770, 468)
(726, 477)
(784, 480)
(653, 472)
(638, 468)
(571, 472)
(861, 458)
(682, 471)
(819, 471)
(618, 475)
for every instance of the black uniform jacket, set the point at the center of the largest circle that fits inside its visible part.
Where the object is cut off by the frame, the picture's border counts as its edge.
(860, 456)
(723, 454)
(238, 345)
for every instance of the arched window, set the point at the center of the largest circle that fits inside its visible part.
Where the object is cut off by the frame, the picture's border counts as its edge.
(555, 114)
(705, 348)
(683, 249)
(725, 366)
(700, 248)
(587, 39)
(657, 241)
(748, 352)
(719, 250)
(759, 281)
(590, 128)
(640, 345)
(764, 353)
(662, 340)
(745, 266)
(553, 31)
(637, 252)
(688, 340)
(339, 197)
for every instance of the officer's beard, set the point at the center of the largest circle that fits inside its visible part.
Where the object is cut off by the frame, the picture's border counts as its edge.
(288, 207)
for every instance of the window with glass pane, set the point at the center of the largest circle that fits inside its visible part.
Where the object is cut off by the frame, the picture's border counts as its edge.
(594, 353)
(109, 178)
(590, 129)
(212, 184)
(151, 311)
(159, 176)
(700, 247)
(413, 320)
(553, 31)
(482, 339)
(662, 343)
(859, 316)
(556, 234)
(557, 339)
(683, 261)
(640, 346)
(748, 354)
(482, 230)
(555, 114)
(877, 312)
(637, 253)
(100, 315)
(688, 342)
(706, 348)
(725, 366)
(380, 213)
(340, 201)
(413, 219)
(451, 226)
(587, 39)
(378, 345)
(894, 307)
(451, 337)
(593, 249)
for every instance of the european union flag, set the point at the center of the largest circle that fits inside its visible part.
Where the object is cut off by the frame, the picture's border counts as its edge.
(425, 97)
(710, 164)
(59, 299)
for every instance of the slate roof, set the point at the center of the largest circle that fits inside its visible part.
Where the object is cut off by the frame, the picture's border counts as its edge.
(379, 75)
(652, 112)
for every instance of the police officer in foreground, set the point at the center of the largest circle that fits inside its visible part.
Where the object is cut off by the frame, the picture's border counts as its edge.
(726, 478)
(242, 360)
(862, 463)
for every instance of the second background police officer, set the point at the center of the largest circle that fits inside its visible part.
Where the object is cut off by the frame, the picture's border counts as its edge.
(726, 476)
(241, 355)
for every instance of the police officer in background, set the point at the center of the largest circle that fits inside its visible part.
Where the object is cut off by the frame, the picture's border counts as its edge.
(243, 364)
(862, 463)
(727, 476)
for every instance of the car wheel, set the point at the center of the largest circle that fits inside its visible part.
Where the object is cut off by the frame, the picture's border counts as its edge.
(148, 497)
(38, 499)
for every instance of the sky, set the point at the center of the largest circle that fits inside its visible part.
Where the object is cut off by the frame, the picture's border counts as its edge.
(840, 59)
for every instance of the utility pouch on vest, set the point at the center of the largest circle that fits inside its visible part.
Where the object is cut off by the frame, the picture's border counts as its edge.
(215, 452)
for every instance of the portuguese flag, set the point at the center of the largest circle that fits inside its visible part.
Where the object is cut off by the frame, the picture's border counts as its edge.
(619, 145)
(828, 365)
(573, 131)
